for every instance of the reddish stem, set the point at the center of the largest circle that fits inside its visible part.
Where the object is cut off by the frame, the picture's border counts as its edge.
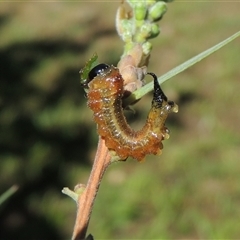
(86, 199)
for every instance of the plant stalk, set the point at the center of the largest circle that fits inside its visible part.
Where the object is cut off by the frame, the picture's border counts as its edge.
(86, 199)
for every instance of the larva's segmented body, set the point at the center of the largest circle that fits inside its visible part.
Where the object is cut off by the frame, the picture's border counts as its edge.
(105, 99)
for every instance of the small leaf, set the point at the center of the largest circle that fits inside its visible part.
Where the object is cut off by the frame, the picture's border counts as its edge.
(86, 69)
(72, 194)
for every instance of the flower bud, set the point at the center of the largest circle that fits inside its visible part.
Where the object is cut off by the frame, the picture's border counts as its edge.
(140, 11)
(154, 30)
(147, 47)
(157, 10)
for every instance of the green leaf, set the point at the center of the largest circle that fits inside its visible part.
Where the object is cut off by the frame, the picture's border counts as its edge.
(149, 87)
(86, 69)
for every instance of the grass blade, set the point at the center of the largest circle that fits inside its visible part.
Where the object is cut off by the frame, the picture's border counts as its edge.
(149, 87)
(8, 193)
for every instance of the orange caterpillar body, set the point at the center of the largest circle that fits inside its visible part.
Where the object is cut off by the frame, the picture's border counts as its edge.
(105, 94)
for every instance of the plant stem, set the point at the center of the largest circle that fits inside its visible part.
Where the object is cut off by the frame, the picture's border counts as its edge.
(86, 199)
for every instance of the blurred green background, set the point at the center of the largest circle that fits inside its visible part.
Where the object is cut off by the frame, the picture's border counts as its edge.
(48, 139)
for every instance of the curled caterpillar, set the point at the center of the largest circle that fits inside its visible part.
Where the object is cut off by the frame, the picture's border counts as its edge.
(105, 92)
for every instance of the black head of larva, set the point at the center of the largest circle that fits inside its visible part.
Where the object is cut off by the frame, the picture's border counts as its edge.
(97, 70)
